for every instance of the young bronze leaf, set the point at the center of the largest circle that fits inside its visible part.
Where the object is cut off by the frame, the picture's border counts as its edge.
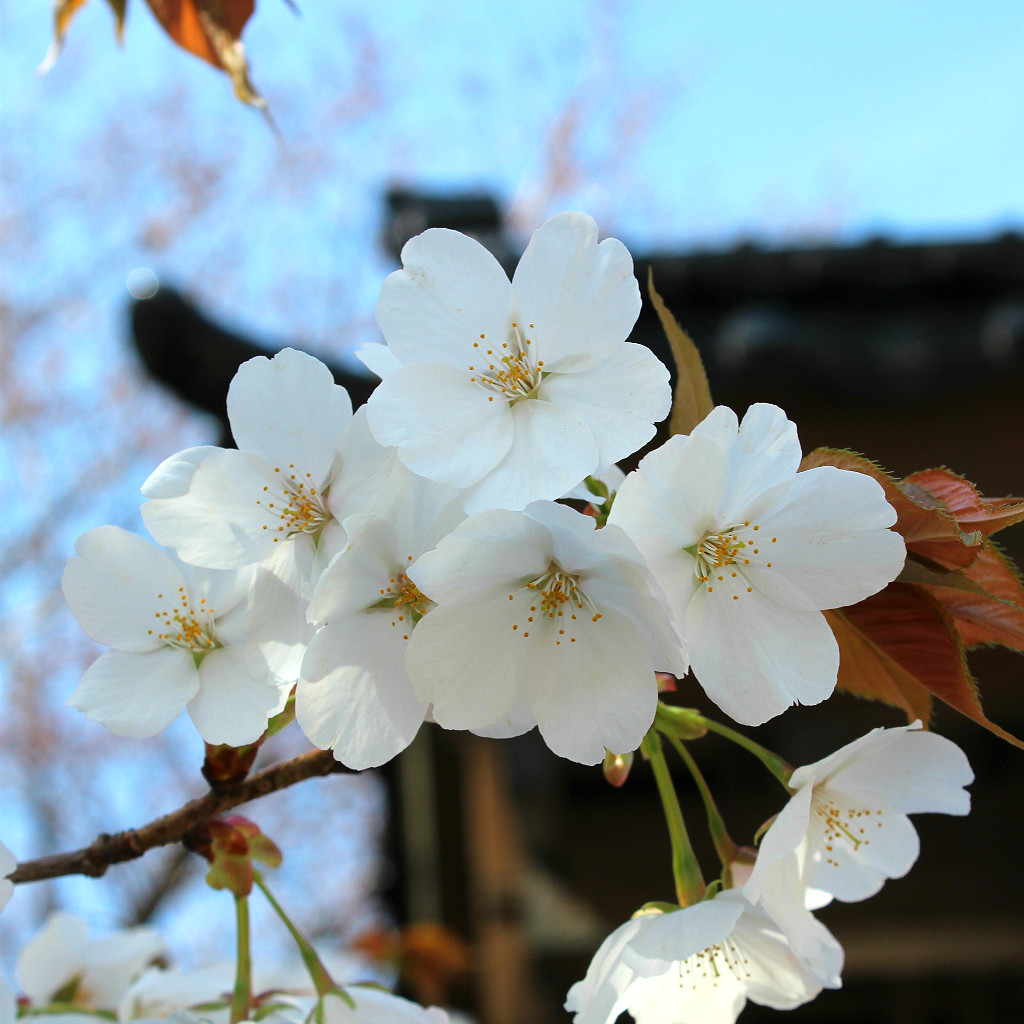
(119, 7)
(212, 30)
(63, 12)
(996, 614)
(930, 532)
(866, 670)
(692, 400)
(961, 499)
(915, 633)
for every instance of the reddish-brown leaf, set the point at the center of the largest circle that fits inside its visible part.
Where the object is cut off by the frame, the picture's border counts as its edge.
(63, 12)
(995, 616)
(212, 30)
(900, 646)
(930, 532)
(960, 498)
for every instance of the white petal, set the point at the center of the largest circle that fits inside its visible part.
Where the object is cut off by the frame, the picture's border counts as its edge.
(227, 519)
(465, 662)
(173, 477)
(137, 695)
(666, 999)
(786, 833)
(450, 291)
(116, 586)
(580, 298)
(483, 557)
(378, 359)
(232, 705)
(113, 961)
(355, 695)
(916, 771)
(275, 621)
(447, 428)
(763, 454)
(833, 547)
(52, 957)
(592, 687)
(775, 975)
(754, 658)
(673, 494)
(854, 847)
(784, 900)
(518, 721)
(552, 450)
(375, 1006)
(599, 997)
(355, 578)
(363, 472)
(619, 399)
(288, 410)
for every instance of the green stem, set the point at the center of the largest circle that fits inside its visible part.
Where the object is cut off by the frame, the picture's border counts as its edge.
(241, 997)
(779, 767)
(685, 869)
(321, 977)
(724, 845)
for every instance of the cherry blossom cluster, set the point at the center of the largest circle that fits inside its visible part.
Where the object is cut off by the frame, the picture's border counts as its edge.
(464, 550)
(413, 557)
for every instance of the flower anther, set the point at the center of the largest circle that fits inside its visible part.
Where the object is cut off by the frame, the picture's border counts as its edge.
(514, 372)
(403, 598)
(553, 595)
(185, 625)
(720, 557)
(299, 506)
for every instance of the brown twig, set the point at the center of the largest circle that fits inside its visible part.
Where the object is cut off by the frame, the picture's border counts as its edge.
(104, 850)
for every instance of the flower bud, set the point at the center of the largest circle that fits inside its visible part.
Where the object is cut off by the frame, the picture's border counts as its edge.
(737, 871)
(616, 767)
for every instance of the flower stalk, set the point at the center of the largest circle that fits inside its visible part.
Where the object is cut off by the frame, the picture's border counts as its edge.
(241, 996)
(670, 719)
(725, 846)
(319, 974)
(685, 869)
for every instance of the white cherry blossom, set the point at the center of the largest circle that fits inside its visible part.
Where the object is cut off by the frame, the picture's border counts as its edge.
(303, 463)
(846, 828)
(355, 695)
(514, 391)
(179, 636)
(749, 552)
(537, 610)
(696, 965)
(90, 973)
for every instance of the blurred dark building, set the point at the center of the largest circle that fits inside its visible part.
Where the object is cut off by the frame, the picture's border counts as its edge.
(911, 354)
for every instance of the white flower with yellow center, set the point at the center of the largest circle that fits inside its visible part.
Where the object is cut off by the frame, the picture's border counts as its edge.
(514, 390)
(696, 965)
(179, 636)
(541, 617)
(846, 825)
(749, 552)
(354, 695)
(303, 463)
